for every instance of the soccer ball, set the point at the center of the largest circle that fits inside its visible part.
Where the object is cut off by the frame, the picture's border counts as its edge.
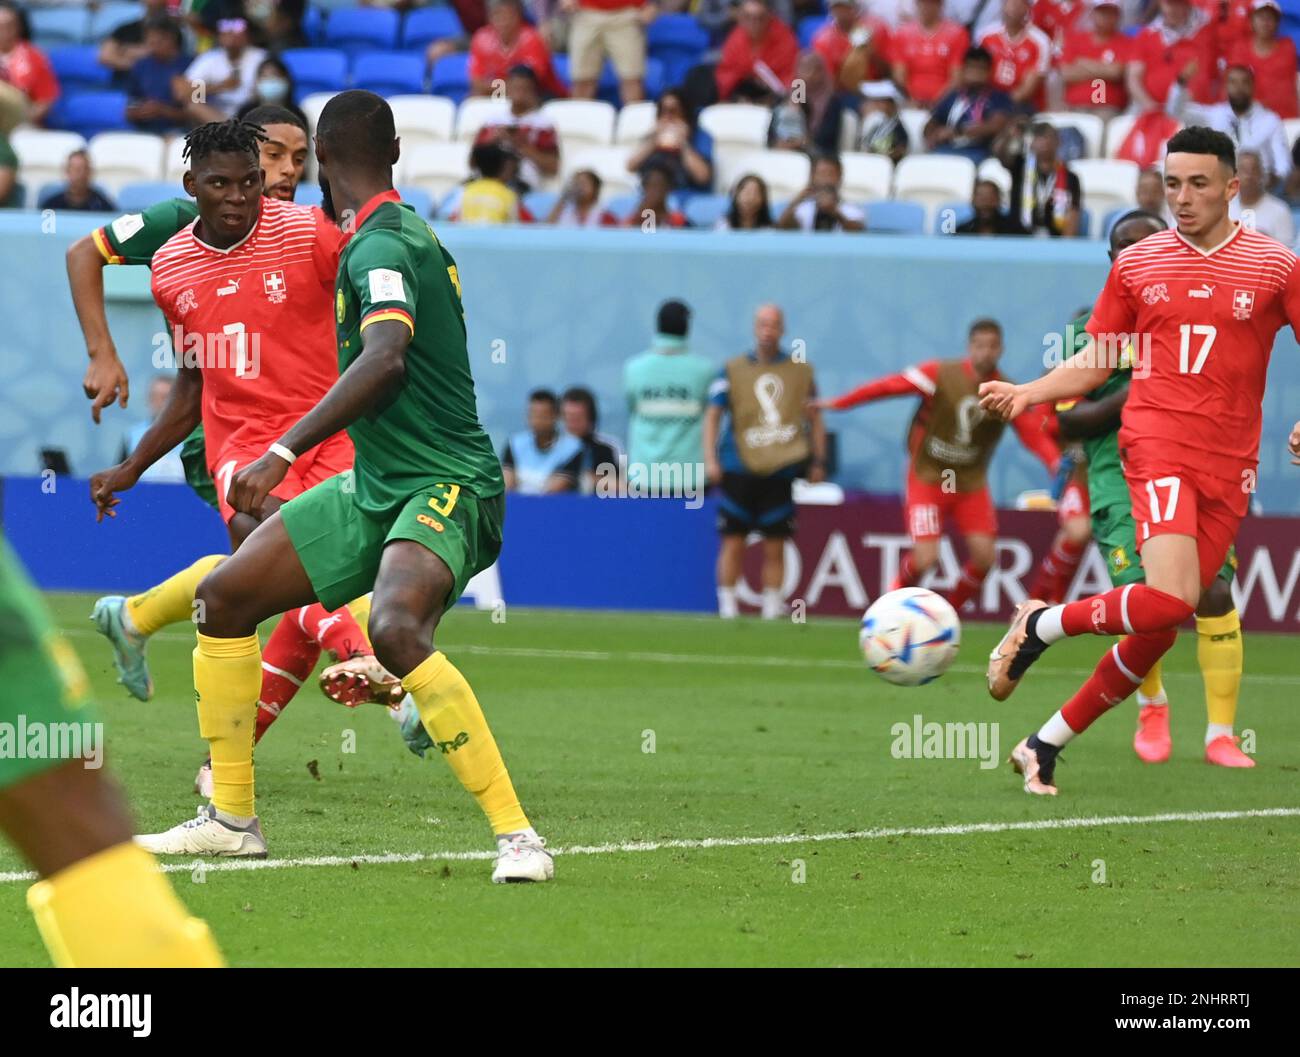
(910, 636)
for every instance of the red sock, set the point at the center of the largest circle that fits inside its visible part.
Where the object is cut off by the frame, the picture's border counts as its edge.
(1057, 570)
(337, 632)
(1128, 610)
(971, 578)
(1120, 672)
(288, 658)
(906, 573)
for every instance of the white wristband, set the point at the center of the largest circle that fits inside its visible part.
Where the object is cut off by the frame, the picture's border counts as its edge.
(284, 453)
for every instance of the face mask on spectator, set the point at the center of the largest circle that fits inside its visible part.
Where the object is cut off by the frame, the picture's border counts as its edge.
(273, 89)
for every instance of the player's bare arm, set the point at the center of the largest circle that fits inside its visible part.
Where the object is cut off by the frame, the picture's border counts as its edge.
(1093, 418)
(712, 423)
(105, 380)
(1075, 377)
(174, 423)
(1293, 443)
(370, 379)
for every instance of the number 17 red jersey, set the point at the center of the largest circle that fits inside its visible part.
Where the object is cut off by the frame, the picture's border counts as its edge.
(1202, 325)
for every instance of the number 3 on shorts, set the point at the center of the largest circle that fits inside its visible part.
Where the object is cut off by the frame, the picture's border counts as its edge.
(1171, 501)
(451, 492)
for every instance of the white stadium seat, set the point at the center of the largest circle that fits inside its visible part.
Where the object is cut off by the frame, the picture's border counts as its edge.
(634, 123)
(914, 120)
(1090, 126)
(866, 176)
(312, 105)
(1291, 130)
(849, 128)
(610, 164)
(992, 169)
(474, 113)
(435, 167)
(581, 123)
(736, 129)
(174, 163)
(423, 119)
(126, 157)
(784, 171)
(933, 180)
(42, 155)
(1107, 183)
(1117, 128)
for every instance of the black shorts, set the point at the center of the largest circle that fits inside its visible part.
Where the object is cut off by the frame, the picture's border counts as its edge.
(750, 503)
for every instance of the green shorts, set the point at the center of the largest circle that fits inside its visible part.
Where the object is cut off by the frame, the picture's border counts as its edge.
(1116, 534)
(340, 545)
(45, 715)
(194, 458)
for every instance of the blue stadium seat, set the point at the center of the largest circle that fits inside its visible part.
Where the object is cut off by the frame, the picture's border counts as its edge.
(418, 199)
(137, 197)
(389, 72)
(356, 29)
(561, 65)
(622, 205)
(704, 211)
(112, 15)
(655, 80)
(427, 24)
(308, 194)
(808, 27)
(77, 68)
(451, 77)
(896, 218)
(90, 112)
(52, 26)
(540, 204)
(678, 41)
(607, 86)
(947, 217)
(316, 69)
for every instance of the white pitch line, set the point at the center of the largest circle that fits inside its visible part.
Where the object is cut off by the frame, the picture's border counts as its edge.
(702, 844)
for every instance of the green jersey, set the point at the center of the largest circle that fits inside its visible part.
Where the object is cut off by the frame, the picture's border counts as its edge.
(134, 238)
(1106, 484)
(428, 432)
(667, 391)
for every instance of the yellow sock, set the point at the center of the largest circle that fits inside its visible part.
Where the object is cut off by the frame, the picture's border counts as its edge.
(1219, 652)
(1152, 686)
(116, 910)
(172, 600)
(360, 610)
(227, 682)
(451, 714)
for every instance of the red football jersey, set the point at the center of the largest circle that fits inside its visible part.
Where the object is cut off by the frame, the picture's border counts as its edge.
(930, 59)
(1165, 57)
(1082, 44)
(833, 45)
(1275, 73)
(1015, 58)
(1204, 324)
(1058, 18)
(258, 318)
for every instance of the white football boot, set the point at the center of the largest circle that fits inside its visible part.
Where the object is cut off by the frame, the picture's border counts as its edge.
(206, 834)
(522, 857)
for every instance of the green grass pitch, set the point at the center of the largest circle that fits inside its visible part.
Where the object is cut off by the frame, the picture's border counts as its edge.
(758, 731)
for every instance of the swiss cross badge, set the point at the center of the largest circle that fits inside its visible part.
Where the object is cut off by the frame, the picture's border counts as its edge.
(273, 284)
(1243, 301)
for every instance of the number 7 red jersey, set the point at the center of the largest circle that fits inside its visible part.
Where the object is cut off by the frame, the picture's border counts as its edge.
(258, 318)
(1202, 323)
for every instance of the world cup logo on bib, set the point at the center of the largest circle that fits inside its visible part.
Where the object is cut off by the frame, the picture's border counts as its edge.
(767, 391)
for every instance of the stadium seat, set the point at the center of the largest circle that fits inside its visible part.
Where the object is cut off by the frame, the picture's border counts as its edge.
(1090, 126)
(736, 129)
(427, 24)
(1107, 183)
(704, 211)
(435, 168)
(949, 215)
(313, 25)
(316, 70)
(78, 69)
(992, 169)
(389, 72)
(357, 29)
(90, 112)
(137, 197)
(474, 113)
(418, 199)
(312, 105)
(677, 41)
(1117, 128)
(634, 122)
(121, 158)
(54, 26)
(914, 120)
(784, 171)
(42, 154)
(609, 163)
(850, 127)
(113, 15)
(422, 119)
(655, 80)
(540, 204)
(451, 77)
(896, 218)
(622, 204)
(867, 177)
(581, 123)
(309, 194)
(174, 163)
(932, 179)
(808, 27)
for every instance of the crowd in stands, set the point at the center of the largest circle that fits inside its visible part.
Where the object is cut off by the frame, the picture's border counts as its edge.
(734, 113)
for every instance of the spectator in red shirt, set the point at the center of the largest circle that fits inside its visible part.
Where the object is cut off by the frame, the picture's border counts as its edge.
(1273, 58)
(1231, 21)
(1059, 18)
(758, 57)
(1180, 41)
(926, 55)
(526, 130)
(855, 45)
(507, 41)
(654, 210)
(1021, 55)
(28, 87)
(1092, 62)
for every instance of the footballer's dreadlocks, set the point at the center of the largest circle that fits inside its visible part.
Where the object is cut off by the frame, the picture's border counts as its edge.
(223, 137)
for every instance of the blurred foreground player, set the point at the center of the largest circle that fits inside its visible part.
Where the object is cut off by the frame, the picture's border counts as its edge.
(1095, 419)
(417, 518)
(101, 901)
(1206, 301)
